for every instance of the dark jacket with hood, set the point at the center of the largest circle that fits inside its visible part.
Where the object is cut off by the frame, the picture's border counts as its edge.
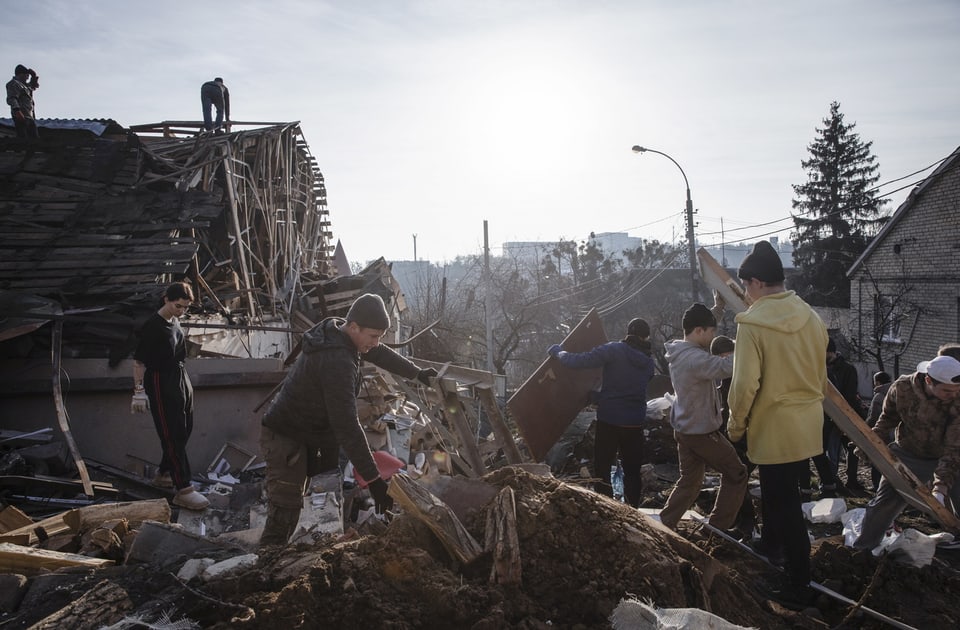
(627, 369)
(317, 402)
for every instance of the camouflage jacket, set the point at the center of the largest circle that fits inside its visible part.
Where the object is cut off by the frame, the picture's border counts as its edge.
(924, 426)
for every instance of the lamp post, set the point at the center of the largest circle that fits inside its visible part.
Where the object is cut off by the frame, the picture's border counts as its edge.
(691, 237)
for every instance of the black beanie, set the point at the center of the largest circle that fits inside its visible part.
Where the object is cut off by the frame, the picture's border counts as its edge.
(638, 328)
(721, 344)
(369, 311)
(763, 263)
(20, 69)
(698, 315)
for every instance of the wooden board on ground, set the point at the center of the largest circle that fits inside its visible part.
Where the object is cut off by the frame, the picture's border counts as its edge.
(848, 420)
(551, 398)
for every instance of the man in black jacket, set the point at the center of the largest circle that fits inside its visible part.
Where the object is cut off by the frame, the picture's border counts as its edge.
(315, 412)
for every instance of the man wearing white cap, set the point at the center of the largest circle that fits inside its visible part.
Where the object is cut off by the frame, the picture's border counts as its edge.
(921, 413)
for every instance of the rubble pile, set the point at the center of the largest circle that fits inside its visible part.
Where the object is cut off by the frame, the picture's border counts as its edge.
(580, 554)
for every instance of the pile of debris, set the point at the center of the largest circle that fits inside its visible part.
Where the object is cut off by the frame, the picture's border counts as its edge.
(544, 554)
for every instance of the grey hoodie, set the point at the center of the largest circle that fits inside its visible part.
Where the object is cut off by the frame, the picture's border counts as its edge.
(694, 372)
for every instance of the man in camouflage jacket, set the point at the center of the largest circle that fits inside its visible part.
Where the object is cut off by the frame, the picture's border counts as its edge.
(921, 412)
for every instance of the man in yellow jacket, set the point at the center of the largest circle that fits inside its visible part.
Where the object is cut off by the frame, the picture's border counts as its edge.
(776, 395)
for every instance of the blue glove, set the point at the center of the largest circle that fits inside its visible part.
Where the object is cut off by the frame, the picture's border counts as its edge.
(554, 350)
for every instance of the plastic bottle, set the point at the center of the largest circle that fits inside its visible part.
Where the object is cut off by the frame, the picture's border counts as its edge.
(616, 479)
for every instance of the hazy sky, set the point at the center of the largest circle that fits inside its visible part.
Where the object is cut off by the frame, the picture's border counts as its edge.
(428, 117)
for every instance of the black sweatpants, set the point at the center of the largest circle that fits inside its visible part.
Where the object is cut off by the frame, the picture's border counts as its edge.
(171, 404)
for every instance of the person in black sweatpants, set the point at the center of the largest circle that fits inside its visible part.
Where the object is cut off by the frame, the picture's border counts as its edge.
(161, 384)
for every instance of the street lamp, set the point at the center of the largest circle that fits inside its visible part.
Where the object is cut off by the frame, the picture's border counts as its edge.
(691, 242)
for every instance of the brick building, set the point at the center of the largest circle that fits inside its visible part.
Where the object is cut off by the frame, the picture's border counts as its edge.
(905, 288)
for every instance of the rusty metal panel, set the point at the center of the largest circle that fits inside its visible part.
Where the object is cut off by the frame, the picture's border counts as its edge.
(551, 398)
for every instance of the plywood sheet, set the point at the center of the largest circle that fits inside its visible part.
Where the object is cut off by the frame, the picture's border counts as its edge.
(551, 398)
(848, 420)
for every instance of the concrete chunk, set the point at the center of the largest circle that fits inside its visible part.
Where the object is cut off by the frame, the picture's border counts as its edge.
(163, 544)
(229, 565)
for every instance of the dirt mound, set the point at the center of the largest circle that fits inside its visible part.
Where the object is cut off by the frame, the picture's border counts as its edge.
(581, 554)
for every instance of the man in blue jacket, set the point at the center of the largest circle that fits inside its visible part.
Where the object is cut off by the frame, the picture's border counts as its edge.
(621, 407)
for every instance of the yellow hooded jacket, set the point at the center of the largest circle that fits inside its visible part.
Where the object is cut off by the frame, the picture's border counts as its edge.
(779, 379)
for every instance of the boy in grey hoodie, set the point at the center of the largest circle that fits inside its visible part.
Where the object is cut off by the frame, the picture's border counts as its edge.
(697, 422)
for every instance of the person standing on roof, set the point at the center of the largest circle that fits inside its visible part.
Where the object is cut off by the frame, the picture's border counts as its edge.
(161, 384)
(920, 422)
(20, 99)
(214, 94)
(697, 421)
(315, 412)
(776, 400)
(622, 407)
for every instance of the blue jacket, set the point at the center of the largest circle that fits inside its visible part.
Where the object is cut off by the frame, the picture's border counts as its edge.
(626, 371)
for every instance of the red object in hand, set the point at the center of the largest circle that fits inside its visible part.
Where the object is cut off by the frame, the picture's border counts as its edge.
(387, 464)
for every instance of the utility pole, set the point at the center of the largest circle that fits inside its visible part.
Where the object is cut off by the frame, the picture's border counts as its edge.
(414, 248)
(488, 295)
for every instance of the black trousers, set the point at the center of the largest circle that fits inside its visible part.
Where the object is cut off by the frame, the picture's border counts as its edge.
(611, 439)
(783, 523)
(171, 404)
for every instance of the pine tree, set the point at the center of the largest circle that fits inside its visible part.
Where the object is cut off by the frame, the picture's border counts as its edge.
(838, 211)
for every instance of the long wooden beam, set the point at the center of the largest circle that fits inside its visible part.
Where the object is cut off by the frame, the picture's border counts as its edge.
(848, 420)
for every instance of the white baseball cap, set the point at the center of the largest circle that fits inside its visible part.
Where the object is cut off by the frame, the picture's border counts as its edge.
(943, 369)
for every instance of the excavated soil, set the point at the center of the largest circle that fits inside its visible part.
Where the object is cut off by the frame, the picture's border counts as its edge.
(581, 554)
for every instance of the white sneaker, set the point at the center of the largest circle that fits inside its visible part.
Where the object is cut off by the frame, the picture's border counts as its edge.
(190, 499)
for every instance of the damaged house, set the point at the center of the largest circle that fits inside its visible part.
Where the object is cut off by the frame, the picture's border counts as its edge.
(98, 219)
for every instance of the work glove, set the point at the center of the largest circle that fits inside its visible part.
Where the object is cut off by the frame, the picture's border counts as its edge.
(554, 350)
(425, 375)
(18, 115)
(140, 402)
(382, 501)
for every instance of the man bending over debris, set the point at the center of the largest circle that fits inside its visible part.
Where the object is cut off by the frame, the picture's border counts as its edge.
(776, 399)
(697, 423)
(315, 412)
(622, 407)
(922, 412)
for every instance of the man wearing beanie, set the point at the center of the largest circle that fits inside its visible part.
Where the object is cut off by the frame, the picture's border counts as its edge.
(776, 401)
(920, 422)
(314, 414)
(698, 424)
(622, 405)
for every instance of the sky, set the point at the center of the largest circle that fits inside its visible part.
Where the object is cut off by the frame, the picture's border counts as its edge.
(429, 117)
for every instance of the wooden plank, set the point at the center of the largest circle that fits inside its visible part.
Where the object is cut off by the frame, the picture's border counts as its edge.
(29, 561)
(62, 411)
(454, 413)
(421, 504)
(551, 398)
(848, 420)
(499, 424)
(12, 518)
(34, 531)
(503, 540)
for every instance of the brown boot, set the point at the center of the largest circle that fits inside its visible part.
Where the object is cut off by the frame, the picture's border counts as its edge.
(190, 499)
(281, 522)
